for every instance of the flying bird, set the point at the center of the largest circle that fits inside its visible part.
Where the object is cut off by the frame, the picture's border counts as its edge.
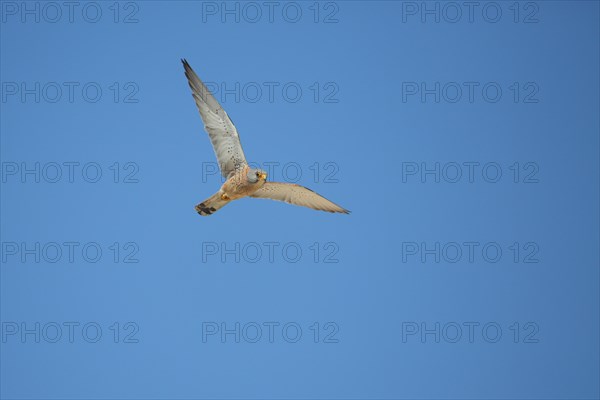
(242, 180)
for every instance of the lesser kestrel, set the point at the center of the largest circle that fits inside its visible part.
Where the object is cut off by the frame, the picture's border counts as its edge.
(242, 180)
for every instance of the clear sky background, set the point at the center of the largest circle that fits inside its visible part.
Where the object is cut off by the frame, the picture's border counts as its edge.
(464, 141)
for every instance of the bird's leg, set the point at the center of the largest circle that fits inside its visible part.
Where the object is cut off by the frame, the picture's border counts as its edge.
(224, 196)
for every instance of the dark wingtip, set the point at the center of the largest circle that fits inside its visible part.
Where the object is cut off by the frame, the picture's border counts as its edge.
(202, 210)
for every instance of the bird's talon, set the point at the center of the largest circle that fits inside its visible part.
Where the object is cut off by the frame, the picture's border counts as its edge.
(224, 197)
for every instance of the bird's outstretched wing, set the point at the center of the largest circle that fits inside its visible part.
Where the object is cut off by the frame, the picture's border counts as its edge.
(298, 195)
(222, 132)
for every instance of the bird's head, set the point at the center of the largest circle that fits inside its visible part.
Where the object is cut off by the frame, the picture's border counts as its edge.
(256, 175)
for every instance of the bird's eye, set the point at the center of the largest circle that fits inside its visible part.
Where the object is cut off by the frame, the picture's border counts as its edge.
(257, 174)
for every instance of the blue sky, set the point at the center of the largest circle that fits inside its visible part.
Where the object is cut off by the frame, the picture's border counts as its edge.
(463, 140)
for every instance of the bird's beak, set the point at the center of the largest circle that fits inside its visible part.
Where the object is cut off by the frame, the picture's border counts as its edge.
(263, 176)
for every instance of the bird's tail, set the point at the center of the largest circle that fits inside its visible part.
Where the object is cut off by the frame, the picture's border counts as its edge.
(212, 204)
